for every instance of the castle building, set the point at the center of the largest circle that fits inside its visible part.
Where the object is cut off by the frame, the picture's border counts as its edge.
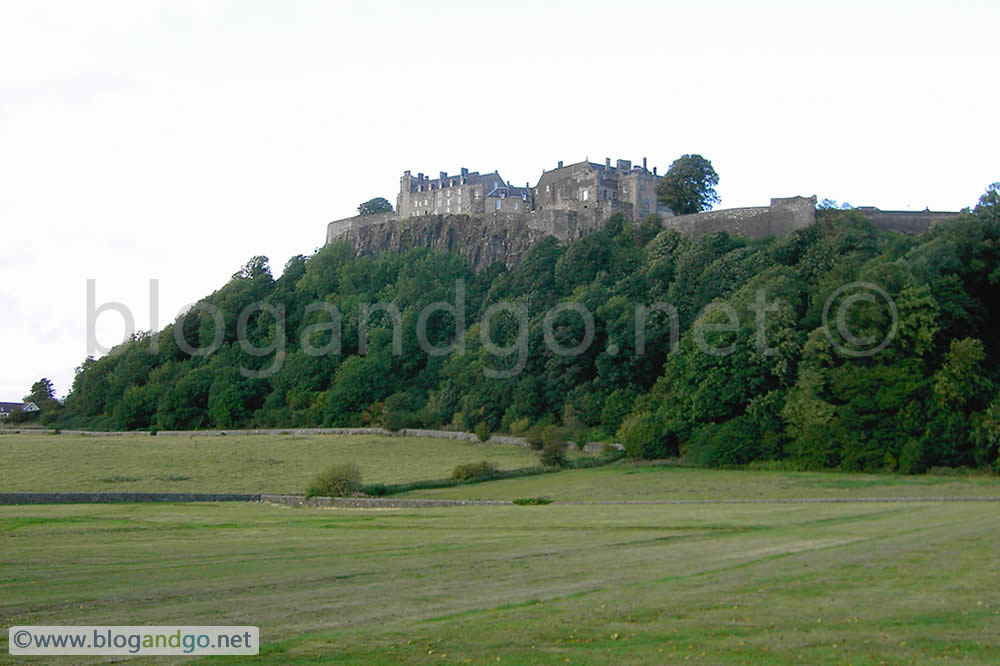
(576, 187)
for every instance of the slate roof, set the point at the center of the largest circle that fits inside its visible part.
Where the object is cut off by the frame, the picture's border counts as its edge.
(506, 191)
(471, 178)
(8, 407)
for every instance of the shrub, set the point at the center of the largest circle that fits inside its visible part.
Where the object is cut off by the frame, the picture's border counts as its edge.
(532, 501)
(645, 437)
(520, 426)
(397, 412)
(482, 431)
(735, 442)
(376, 490)
(552, 434)
(153, 430)
(554, 454)
(911, 458)
(339, 480)
(479, 470)
(534, 437)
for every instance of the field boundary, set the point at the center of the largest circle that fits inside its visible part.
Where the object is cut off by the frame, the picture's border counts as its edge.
(405, 432)
(416, 502)
(374, 502)
(455, 435)
(112, 498)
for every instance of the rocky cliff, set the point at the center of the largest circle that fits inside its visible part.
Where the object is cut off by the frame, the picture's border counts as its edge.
(481, 241)
(505, 237)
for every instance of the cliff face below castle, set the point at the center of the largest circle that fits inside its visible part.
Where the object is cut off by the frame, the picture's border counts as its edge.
(505, 237)
(481, 242)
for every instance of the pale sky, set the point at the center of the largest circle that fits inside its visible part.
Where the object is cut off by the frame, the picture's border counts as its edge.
(173, 141)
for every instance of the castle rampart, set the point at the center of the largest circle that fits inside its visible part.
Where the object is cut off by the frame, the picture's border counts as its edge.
(781, 218)
(907, 222)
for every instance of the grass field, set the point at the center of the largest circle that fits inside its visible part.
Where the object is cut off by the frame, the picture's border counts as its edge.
(785, 584)
(846, 583)
(625, 481)
(247, 463)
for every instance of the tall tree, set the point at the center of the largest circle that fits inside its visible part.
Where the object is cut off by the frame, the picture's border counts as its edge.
(689, 185)
(988, 208)
(41, 391)
(376, 205)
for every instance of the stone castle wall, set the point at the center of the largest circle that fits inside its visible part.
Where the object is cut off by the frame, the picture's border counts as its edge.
(781, 218)
(905, 222)
(506, 236)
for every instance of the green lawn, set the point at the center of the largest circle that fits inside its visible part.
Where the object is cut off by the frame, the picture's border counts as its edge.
(786, 584)
(625, 481)
(234, 463)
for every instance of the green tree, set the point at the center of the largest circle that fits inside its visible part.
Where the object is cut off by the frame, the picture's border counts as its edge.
(988, 208)
(689, 185)
(376, 205)
(41, 391)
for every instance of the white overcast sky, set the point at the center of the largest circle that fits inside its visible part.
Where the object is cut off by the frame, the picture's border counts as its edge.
(173, 141)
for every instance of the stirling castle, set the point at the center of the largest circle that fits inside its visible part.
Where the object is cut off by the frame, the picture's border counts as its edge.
(488, 219)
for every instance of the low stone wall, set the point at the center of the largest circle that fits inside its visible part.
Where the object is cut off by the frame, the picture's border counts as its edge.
(372, 502)
(406, 432)
(106, 498)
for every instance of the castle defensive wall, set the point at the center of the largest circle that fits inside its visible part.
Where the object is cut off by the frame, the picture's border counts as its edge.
(488, 219)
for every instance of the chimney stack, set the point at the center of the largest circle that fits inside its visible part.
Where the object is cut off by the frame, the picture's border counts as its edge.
(607, 162)
(444, 177)
(560, 165)
(644, 164)
(654, 171)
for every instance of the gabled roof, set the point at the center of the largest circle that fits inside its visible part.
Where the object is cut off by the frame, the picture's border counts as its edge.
(12, 406)
(472, 178)
(509, 191)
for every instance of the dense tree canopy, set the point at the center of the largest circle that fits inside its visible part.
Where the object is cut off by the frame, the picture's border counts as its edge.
(376, 205)
(797, 391)
(689, 185)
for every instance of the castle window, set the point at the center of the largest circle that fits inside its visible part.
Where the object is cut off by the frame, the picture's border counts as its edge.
(586, 194)
(498, 204)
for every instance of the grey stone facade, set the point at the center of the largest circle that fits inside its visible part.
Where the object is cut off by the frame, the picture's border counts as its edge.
(577, 187)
